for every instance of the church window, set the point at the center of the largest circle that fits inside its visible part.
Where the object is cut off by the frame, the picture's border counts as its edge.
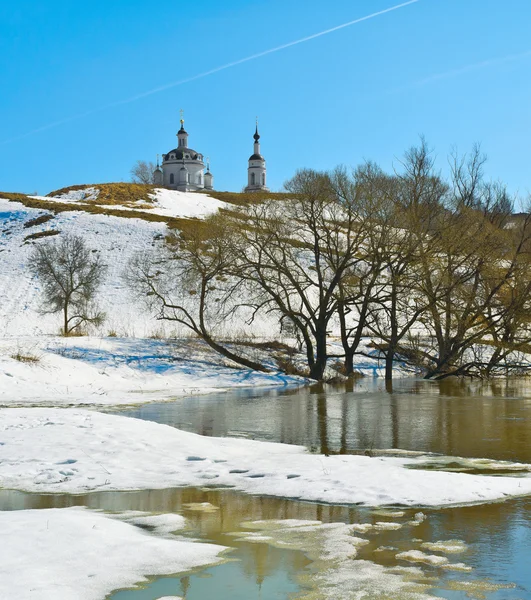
(171, 178)
(263, 178)
(252, 179)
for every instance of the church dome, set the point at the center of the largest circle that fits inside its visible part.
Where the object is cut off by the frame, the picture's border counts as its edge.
(256, 157)
(178, 153)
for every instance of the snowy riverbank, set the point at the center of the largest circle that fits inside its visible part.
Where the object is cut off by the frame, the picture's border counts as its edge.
(57, 371)
(75, 451)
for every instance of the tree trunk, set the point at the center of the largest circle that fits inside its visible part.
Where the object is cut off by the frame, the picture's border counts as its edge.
(319, 365)
(349, 362)
(65, 320)
(237, 359)
(323, 424)
(389, 363)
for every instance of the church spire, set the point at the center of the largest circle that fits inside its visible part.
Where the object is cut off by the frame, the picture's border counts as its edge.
(182, 135)
(256, 137)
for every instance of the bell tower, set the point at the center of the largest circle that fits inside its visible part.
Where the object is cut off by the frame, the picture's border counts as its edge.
(256, 171)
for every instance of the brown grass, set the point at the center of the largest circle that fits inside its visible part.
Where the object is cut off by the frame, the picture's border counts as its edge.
(41, 234)
(130, 195)
(246, 198)
(38, 221)
(13, 196)
(26, 357)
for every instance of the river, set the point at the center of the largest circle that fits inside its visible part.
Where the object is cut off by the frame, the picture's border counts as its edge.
(462, 419)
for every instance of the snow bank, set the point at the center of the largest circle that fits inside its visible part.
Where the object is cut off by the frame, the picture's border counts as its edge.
(75, 451)
(86, 194)
(116, 371)
(172, 203)
(78, 554)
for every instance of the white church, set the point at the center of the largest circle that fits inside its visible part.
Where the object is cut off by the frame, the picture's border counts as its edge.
(183, 169)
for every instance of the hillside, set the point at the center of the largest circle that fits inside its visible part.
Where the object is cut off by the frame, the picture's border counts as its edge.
(126, 360)
(116, 220)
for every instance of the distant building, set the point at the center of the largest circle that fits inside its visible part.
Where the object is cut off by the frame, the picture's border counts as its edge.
(256, 171)
(183, 169)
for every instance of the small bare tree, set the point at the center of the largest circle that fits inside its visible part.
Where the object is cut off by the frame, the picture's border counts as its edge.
(70, 277)
(142, 172)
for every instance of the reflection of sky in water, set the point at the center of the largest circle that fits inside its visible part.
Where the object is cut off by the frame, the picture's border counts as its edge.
(228, 581)
(499, 539)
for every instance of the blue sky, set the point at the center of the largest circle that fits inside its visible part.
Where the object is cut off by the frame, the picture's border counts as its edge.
(457, 71)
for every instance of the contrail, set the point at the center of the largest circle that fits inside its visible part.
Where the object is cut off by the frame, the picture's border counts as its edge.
(235, 63)
(491, 62)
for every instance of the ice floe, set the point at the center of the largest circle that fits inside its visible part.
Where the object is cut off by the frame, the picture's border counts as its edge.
(79, 554)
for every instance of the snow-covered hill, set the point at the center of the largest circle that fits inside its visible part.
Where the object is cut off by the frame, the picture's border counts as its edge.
(119, 364)
(117, 239)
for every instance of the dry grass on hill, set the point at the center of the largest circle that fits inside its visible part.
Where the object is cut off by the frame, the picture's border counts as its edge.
(130, 195)
(134, 196)
(41, 234)
(245, 198)
(59, 207)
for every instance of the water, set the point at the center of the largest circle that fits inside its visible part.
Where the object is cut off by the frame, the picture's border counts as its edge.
(456, 418)
(497, 538)
(468, 419)
(453, 417)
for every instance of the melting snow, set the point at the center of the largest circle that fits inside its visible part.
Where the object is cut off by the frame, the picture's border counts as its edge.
(78, 554)
(73, 450)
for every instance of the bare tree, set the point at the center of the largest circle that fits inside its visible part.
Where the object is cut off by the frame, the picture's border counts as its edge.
(292, 253)
(509, 311)
(472, 260)
(412, 206)
(188, 282)
(142, 172)
(70, 275)
(371, 191)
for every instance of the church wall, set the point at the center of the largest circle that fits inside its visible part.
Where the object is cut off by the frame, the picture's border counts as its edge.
(194, 170)
(256, 167)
